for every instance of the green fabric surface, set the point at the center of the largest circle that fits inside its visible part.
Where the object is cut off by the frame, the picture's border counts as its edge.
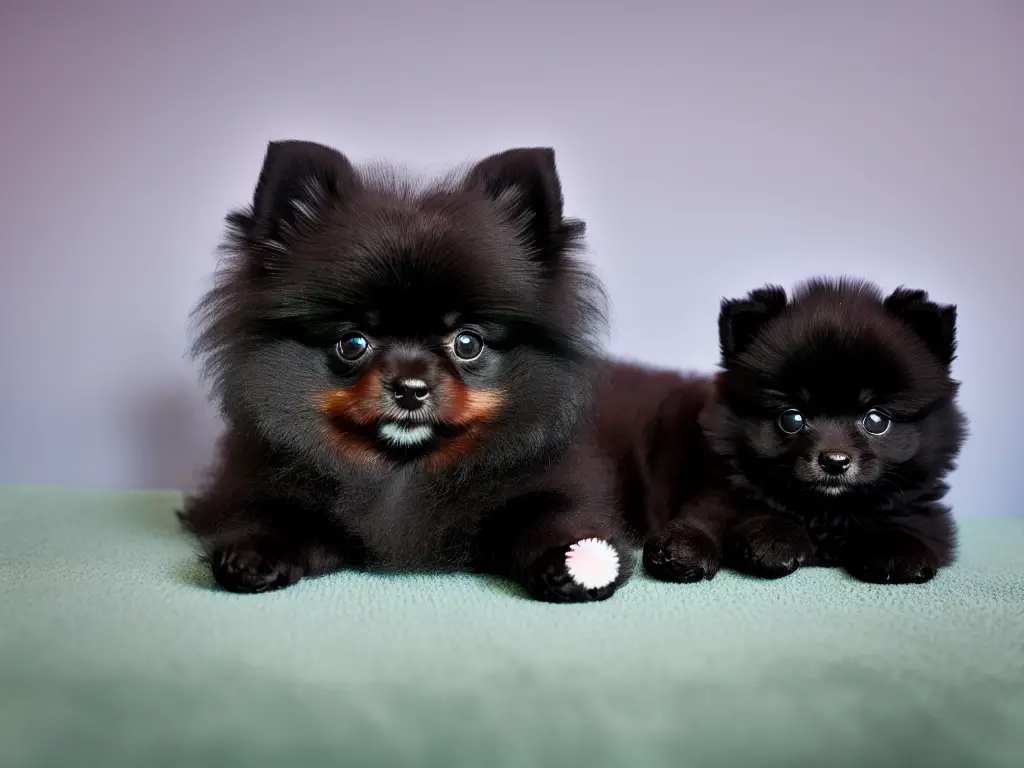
(116, 650)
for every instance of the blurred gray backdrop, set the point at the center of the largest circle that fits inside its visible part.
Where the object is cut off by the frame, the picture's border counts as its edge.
(712, 146)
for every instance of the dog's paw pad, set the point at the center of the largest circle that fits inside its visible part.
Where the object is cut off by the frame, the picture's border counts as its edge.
(685, 555)
(892, 558)
(768, 547)
(774, 558)
(893, 570)
(243, 569)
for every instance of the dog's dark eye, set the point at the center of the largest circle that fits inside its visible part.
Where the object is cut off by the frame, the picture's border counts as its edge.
(791, 421)
(352, 347)
(876, 423)
(468, 346)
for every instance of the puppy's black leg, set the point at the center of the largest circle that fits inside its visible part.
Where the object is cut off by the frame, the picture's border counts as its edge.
(682, 553)
(768, 546)
(561, 550)
(689, 548)
(257, 563)
(250, 550)
(890, 557)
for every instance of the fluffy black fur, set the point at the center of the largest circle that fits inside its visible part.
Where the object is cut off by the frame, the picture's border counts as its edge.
(723, 472)
(361, 429)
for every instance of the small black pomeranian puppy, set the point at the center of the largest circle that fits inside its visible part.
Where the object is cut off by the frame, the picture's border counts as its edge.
(825, 440)
(407, 378)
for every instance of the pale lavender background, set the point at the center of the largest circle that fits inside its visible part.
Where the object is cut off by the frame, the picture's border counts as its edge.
(712, 147)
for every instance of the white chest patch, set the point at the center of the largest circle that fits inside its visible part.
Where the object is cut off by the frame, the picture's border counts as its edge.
(592, 563)
(402, 435)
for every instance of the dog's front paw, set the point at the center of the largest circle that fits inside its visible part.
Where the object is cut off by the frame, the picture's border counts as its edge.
(769, 547)
(587, 571)
(684, 554)
(891, 557)
(248, 568)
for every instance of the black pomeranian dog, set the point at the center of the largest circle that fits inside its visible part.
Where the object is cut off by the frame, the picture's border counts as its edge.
(825, 440)
(407, 378)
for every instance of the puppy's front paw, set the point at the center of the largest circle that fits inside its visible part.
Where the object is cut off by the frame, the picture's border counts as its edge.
(891, 557)
(685, 554)
(249, 569)
(769, 547)
(587, 571)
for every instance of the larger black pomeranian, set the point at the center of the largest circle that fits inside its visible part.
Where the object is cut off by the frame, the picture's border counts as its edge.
(825, 440)
(406, 374)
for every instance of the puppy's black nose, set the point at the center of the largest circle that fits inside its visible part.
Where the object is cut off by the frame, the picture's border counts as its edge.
(411, 393)
(834, 463)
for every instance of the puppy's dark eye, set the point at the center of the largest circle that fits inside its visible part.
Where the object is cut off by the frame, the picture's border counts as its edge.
(352, 347)
(876, 423)
(791, 421)
(468, 346)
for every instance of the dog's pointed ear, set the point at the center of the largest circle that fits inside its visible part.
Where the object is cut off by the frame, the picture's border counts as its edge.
(525, 183)
(740, 320)
(299, 179)
(934, 323)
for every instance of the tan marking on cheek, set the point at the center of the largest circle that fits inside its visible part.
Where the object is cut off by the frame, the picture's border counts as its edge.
(359, 403)
(463, 407)
(468, 406)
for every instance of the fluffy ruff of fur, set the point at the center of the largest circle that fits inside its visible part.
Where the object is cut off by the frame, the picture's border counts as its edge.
(825, 440)
(406, 374)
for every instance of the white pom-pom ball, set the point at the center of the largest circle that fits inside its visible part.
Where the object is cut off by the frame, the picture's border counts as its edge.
(592, 563)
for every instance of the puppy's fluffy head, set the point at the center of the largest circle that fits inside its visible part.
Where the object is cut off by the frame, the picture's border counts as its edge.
(360, 318)
(836, 392)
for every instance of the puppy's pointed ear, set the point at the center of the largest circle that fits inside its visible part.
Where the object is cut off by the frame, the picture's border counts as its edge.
(525, 183)
(934, 323)
(740, 320)
(299, 179)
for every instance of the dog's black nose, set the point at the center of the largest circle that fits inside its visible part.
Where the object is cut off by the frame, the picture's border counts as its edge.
(411, 393)
(834, 463)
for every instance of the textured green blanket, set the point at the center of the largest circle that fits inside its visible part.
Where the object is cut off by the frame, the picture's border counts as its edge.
(116, 650)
